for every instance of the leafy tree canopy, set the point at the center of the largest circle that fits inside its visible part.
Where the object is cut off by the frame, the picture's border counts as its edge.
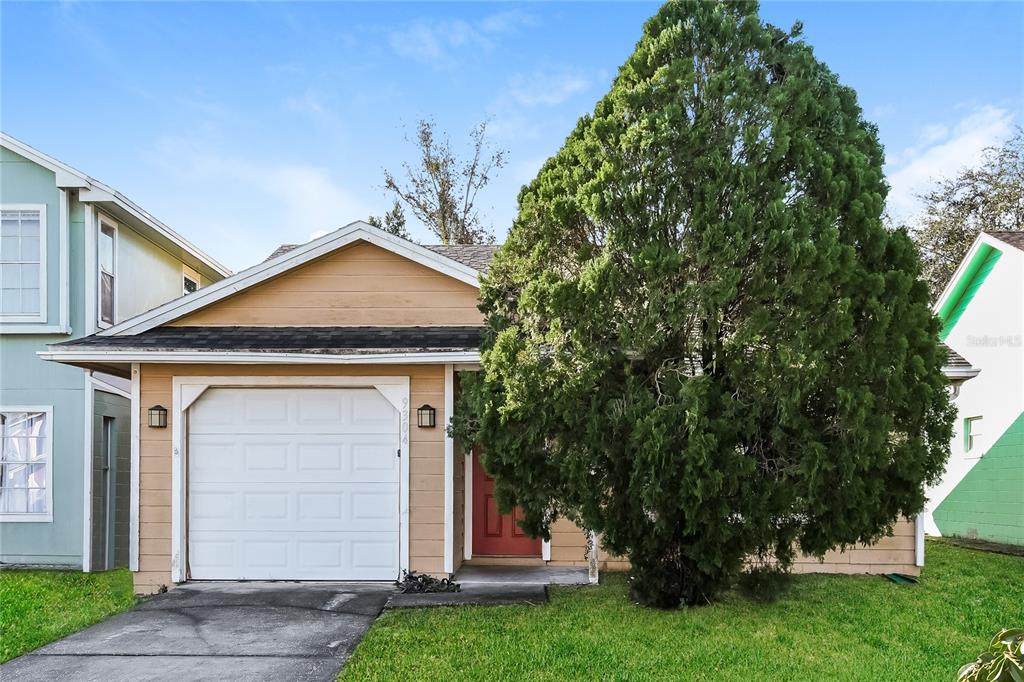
(441, 188)
(393, 221)
(701, 341)
(989, 196)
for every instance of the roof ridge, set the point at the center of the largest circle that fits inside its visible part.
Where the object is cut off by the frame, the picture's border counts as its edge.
(1014, 238)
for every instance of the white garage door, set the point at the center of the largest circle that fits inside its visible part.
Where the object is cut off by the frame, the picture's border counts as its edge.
(293, 484)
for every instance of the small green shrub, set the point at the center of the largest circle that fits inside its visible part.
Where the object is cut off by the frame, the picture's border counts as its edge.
(1003, 661)
(764, 583)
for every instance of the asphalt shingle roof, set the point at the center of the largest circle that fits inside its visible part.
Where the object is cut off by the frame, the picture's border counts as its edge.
(284, 248)
(325, 340)
(954, 359)
(1012, 238)
(476, 256)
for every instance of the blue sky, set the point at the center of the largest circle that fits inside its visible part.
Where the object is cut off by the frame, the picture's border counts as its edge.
(247, 125)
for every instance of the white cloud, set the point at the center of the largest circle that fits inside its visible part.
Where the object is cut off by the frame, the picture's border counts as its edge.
(438, 42)
(508, 22)
(940, 153)
(304, 200)
(307, 103)
(545, 89)
(517, 114)
(434, 42)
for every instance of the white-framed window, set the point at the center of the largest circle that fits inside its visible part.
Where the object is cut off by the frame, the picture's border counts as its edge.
(106, 287)
(23, 262)
(26, 463)
(189, 280)
(973, 440)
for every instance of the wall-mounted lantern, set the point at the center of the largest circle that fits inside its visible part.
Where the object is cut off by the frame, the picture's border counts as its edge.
(158, 417)
(426, 417)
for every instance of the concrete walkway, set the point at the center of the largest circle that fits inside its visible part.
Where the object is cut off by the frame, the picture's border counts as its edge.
(217, 631)
(496, 586)
(522, 575)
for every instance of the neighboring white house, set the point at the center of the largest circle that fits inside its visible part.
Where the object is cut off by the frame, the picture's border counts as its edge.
(982, 308)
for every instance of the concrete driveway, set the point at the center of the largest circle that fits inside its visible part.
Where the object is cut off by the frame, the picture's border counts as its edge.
(217, 631)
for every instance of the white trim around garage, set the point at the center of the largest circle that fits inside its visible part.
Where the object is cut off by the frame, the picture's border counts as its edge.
(467, 548)
(187, 389)
(72, 355)
(357, 231)
(449, 471)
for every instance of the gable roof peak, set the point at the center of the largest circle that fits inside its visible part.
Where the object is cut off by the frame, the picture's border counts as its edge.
(476, 256)
(288, 260)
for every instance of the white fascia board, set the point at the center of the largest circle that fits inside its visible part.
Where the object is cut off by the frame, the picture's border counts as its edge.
(66, 175)
(357, 231)
(100, 193)
(92, 190)
(247, 358)
(982, 238)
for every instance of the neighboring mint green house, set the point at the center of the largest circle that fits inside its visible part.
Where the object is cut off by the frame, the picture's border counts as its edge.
(981, 494)
(75, 256)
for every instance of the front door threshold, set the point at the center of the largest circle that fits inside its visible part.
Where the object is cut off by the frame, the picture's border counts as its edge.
(499, 560)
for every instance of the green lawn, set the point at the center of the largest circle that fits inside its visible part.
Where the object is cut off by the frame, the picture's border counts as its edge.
(825, 628)
(37, 607)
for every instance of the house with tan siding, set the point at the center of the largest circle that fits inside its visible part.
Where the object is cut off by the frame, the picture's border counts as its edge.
(289, 424)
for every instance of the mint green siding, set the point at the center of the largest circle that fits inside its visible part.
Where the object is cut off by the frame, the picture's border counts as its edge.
(988, 503)
(27, 380)
(23, 182)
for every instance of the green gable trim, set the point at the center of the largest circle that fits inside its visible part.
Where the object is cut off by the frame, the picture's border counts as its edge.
(968, 284)
(988, 503)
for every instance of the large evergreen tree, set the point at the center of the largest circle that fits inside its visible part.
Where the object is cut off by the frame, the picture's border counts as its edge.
(701, 341)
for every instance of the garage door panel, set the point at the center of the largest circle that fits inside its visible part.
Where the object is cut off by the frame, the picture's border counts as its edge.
(293, 484)
(271, 410)
(294, 459)
(252, 556)
(313, 507)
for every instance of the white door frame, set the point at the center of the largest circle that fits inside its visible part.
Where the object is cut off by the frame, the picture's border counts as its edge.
(187, 389)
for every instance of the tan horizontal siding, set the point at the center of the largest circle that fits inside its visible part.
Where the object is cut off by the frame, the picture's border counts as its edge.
(893, 554)
(360, 284)
(426, 452)
(568, 544)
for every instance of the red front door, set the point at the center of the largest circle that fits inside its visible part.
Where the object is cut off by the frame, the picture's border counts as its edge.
(496, 534)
